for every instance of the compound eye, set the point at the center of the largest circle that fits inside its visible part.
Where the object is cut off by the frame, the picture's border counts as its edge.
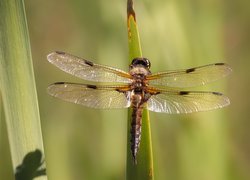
(141, 61)
(134, 62)
(137, 61)
(148, 63)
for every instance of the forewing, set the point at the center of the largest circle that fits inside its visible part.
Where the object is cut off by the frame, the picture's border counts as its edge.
(103, 97)
(190, 77)
(176, 102)
(86, 69)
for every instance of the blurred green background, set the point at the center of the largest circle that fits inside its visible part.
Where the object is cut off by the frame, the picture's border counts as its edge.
(82, 143)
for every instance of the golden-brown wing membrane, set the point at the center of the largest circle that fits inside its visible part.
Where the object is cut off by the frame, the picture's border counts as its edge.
(92, 96)
(190, 77)
(176, 102)
(86, 69)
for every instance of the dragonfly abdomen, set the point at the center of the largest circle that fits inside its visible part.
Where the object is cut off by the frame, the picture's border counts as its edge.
(136, 130)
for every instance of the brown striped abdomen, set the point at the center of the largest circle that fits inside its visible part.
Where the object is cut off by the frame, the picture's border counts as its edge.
(136, 130)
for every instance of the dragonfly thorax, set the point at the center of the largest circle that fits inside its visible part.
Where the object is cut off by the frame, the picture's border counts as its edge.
(139, 83)
(139, 71)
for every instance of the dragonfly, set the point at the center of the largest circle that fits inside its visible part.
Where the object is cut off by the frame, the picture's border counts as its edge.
(162, 92)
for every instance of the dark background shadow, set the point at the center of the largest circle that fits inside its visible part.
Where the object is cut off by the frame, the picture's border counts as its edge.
(31, 166)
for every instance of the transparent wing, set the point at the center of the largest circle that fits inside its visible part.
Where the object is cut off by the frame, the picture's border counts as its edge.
(86, 69)
(176, 102)
(90, 95)
(190, 77)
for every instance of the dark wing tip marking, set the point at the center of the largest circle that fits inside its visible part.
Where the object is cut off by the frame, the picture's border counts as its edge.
(186, 93)
(227, 67)
(59, 83)
(217, 93)
(183, 93)
(88, 63)
(91, 86)
(220, 64)
(59, 52)
(190, 70)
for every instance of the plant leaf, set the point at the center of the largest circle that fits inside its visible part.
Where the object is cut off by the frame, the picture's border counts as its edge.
(144, 167)
(19, 92)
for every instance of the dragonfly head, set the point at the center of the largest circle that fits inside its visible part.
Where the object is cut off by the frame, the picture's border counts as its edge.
(143, 62)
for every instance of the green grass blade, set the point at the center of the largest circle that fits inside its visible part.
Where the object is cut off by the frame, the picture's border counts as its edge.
(144, 167)
(19, 92)
(133, 33)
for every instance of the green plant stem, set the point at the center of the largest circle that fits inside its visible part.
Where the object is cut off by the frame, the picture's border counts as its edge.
(19, 91)
(144, 167)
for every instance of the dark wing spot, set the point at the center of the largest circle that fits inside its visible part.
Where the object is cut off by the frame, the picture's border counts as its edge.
(217, 93)
(190, 70)
(183, 92)
(91, 86)
(219, 64)
(60, 52)
(122, 90)
(88, 63)
(59, 83)
(155, 93)
(119, 90)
